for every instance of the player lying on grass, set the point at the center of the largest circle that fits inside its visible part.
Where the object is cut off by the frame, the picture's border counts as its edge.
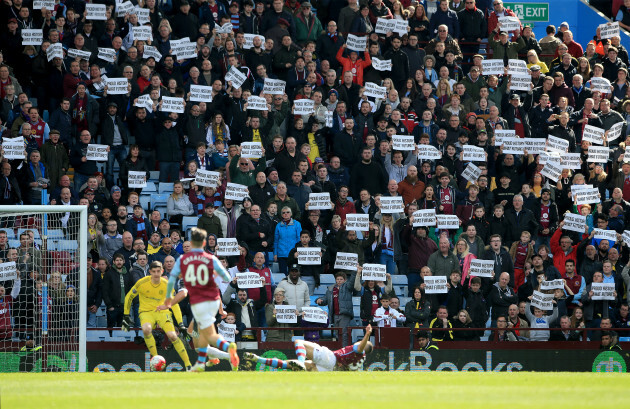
(152, 291)
(198, 269)
(316, 358)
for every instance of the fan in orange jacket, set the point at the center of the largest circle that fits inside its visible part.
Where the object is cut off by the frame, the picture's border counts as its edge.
(354, 64)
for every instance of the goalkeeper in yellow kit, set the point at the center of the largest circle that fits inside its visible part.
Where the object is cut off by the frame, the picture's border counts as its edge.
(152, 292)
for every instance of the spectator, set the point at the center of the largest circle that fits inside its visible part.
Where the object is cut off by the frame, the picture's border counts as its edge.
(270, 315)
(501, 296)
(117, 282)
(539, 320)
(243, 308)
(443, 262)
(296, 290)
(11, 193)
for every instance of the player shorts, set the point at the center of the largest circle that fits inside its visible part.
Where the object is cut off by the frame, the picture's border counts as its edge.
(205, 313)
(163, 318)
(324, 359)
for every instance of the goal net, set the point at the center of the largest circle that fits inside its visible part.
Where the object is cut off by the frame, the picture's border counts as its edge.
(43, 288)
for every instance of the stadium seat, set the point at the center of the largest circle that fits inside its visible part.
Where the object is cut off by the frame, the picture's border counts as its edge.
(159, 199)
(403, 302)
(101, 322)
(67, 245)
(154, 175)
(162, 210)
(189, 222)
(127, 336)
(145, 202)
(97, 335)
(356, 301)
(400, 290)
(14, 243)
(10, 233)
(277, 277)
(275, 268)
(150, 188)
(399, 279)
(321, 290)
(357, 335)
(357, 311)
(165, 187)
(327, 279)
(55, 234)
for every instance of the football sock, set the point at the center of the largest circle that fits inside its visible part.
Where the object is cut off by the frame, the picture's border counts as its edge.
(213, 352)
(202, 354)
(273, 362)
(222, 344)
(300, 351)
(181, 350)
(150, 343)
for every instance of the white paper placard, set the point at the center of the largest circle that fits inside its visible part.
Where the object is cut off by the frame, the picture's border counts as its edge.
(428, 152)
(447, 221)
(248, 280)
(598, 154)
(145, 101)
(435, 285)
(54, 51)
(309, 256)
(615, 131)
(373, 90)
(501, 134)
(509, 23)
(319, 201)
(249, 41)
(207, 178)
(603, 291)
(600, 84)
(346, 261)
(274, 87)
(225, 28)
(471, 173)
(150, 51)
(625, 236)
(552, 169)
(574, 222)
(173, 104)
(593, 134)
(542, 301)
(14, 148)
(473, 154)
(137, 179)
(236, 192)
(403, 142)
(200, 93)
(251, 150)
(381, 65)
(32, 36)
(555, 144)
(601, 234)
(285, 314)
(609, 30)
(97, 152)
(329, 118)
(185, 50)
(481, 268)
(106, 54)
(545, 156)
(8, 271)
(517, 67)
(493, 67)
(82, 54)
(124, 8)
(571, 161)
(520, 82)
(425, 217)
(44, 4)
(117, 86)
(587, 196)
(236, 76)
(375, 272)
(228, 247)
(142, 33)
(227, 331)
(357, 222)
(384, 26)
(577, 188)
(257, 103)
(514, 145)
(143, 15)
(391, 205)
(356, 43)
(315, 314)
(96, 12)
(552, 285)
(303, 107)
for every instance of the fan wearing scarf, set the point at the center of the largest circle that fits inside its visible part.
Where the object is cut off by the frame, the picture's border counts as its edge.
(36, 178)
(137, 225)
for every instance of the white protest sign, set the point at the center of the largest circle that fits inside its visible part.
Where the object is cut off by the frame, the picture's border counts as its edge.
(96, 152)
(106, 54)
(587, 196)
(315, 314)
(357, 222)
(185, 50)
(501, 134)
(609, 30)
(593, 134)
(228, 247)
(225, 28)
(603, 291)
(517, 67)
(125, 8)
(143, 15)
(236, 76)
(403, 142)
(514, 145)
(429, 152)
(552, 285)
(82, 54)
(391, 205)
(509, 23)
(473, 154)
(303, 107)
(373, 90)
(41, 4)
(542, 301)
(32, 36)
(600, 84)
(54, 51)
(574, 222)
(375, 272)
(173, 104)
(598, 154)
(625, 236)
(552, 169)
(285, 314)
(424, 217)
(309, 256)
(207, 178)
(471, 173)
(520, 82)
(145, 101)
(329, 119)
(577, 188)
(248, 279)
(319, 201)
(384, 25)
(447, 221)
(150, 51)
(493, 67)
(601, 234)
(555, 144)
(13, 148)
(251, 150)
(355, 43)
(545, 156)
(117, 86)
(535, 146)
(142, 33)
(615, 131)
(381, 65)
(96, 12)
(257, 103)
(8, 271)
(481, 268)
(571, 161)
(227, 331)
(346, 261)
(137, 179)
(200, 93)
(236, 192)
(249, 40)
(274, 87)
(435, 285)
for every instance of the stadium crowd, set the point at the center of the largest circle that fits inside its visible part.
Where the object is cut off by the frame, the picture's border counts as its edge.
(435, 90)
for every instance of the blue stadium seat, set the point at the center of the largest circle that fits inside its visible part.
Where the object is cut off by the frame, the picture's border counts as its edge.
(45, 115)
(127, 336)
(10, 233)
(101, 322)
(321, 290)
(162, 210)
(356, 301)
(159, 199)
(327, 279)
(274, 268)
(97, 335)
(154, 175)
(313, 299)
(277, 277)
(14, 243)
(67, 245)
(145, 202)
(150, 188)
(165, 187)
(55, 234)
(189, 222)
(399, 279)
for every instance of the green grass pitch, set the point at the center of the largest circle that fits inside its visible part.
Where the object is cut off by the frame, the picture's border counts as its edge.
(261, 390)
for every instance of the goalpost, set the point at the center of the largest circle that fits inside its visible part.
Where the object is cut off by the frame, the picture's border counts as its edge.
(43, 288)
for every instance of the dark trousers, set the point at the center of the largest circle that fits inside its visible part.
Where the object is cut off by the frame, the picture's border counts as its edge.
(114, 317)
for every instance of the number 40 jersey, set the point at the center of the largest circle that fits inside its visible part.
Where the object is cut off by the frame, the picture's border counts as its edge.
(197, 270)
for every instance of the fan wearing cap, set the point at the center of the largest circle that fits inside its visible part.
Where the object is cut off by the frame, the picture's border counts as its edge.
(307, 25)
(503, 49)
(493, 19)
(295, 289)
(517, 117)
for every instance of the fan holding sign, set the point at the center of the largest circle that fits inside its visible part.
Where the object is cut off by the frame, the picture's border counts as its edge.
(354, 64)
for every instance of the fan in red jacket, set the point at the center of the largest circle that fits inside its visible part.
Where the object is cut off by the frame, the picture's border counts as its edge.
(562, 249)
(354, 64)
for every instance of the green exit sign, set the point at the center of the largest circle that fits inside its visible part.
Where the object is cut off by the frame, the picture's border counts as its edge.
(530, 11)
